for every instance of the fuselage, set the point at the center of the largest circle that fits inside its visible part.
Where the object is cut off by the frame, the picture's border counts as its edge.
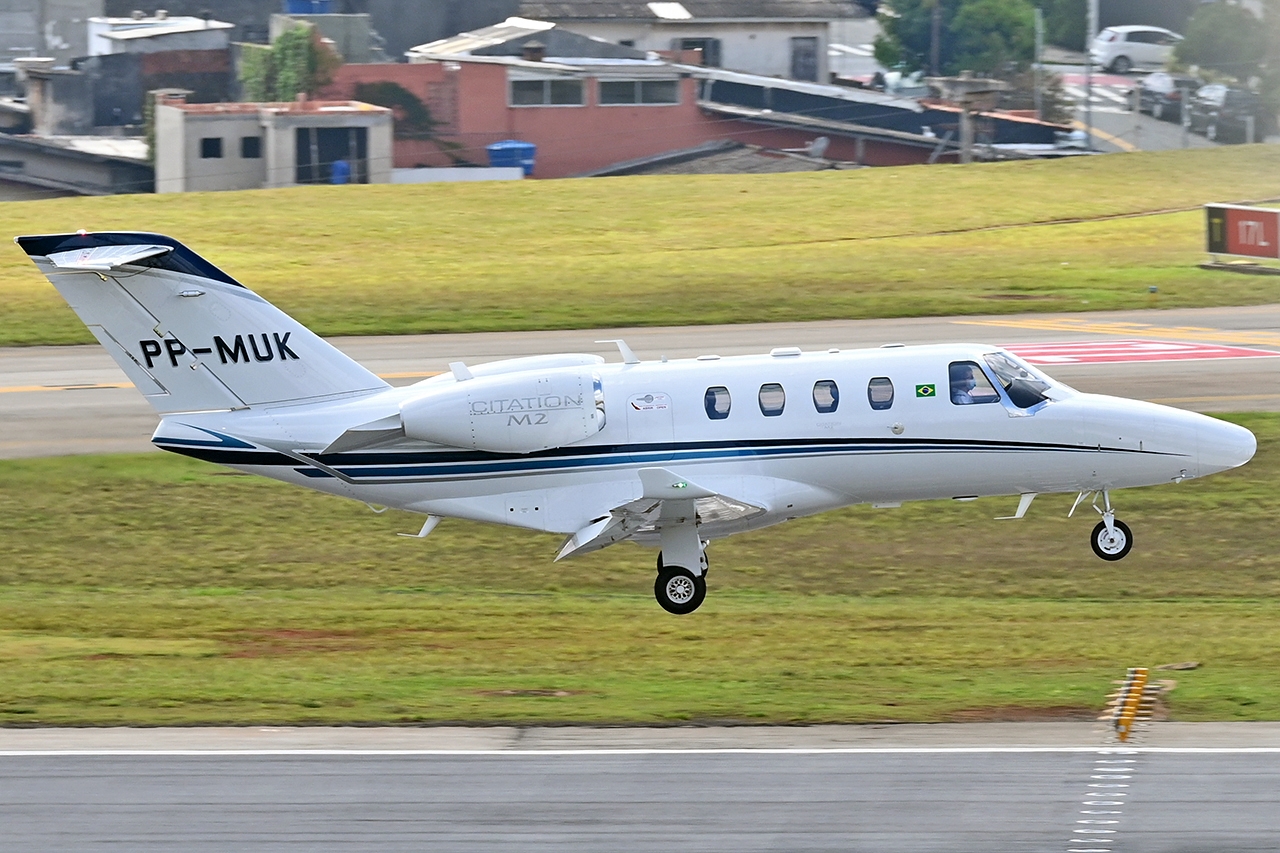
(794, 433)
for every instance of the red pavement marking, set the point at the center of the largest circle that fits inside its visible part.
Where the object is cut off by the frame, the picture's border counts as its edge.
(1111, 352)
(1098, 80)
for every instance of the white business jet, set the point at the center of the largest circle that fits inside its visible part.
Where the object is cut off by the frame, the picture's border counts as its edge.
(670, 454)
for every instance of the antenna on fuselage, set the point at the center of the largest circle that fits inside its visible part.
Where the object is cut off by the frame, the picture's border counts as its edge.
(628, 357)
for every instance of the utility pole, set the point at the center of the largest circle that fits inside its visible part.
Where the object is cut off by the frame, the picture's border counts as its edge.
(1038, 81)
(935, 39)
(1091, 30)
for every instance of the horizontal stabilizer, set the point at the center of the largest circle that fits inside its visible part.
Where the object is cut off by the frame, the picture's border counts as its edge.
(376, 433)
(104, 258)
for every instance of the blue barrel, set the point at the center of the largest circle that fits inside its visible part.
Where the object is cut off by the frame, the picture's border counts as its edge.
(512, 152)
(308, 7)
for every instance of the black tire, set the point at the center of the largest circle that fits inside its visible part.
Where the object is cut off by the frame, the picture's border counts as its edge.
(1121, 65)
(1157, 109)
(1112, 549)
(679, 591)
(1211, 131)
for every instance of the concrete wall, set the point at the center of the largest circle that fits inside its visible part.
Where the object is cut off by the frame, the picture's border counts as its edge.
(42, 165)
(179, 166)
(349, 33)
(280, 142)
(55, 28)
(757, 48)
(61, 102)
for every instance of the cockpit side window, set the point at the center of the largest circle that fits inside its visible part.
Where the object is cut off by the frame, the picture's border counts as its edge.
(970, 385)
(1024, 388)
(717, 402)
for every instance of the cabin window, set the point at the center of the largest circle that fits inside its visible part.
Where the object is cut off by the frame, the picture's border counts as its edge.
(772, 399)
(880, 393)
(826, 396)
(970, 385)
(1024, 388)
(716, 401)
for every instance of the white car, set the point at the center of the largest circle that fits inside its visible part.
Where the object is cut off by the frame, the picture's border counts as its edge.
(1121, 49)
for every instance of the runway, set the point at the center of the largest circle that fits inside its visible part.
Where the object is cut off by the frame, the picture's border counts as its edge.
(65, 400)
(997, 787)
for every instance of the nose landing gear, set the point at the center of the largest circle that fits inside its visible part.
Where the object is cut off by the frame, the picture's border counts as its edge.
(1111, 538)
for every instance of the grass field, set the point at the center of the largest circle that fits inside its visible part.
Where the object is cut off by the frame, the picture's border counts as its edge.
(157, 590)
(714, 249)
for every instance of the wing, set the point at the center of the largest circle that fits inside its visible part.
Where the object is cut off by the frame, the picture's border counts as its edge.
(642, 518)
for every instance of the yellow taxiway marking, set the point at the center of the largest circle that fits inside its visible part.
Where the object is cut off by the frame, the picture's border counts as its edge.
(1122, 144)
(18, 389)
(1144, 330)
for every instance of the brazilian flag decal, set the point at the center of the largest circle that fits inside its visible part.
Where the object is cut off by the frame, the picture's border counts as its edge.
(926, 391)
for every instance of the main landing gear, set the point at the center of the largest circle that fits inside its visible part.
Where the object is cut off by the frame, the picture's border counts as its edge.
(1111, 538)
(679, 590)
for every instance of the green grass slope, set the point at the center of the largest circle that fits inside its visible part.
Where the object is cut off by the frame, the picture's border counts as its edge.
(712, 249)
(157, 590)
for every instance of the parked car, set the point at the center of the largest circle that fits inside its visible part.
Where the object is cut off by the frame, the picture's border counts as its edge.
(1160, 94)
(1221, 113)
(1121, 49)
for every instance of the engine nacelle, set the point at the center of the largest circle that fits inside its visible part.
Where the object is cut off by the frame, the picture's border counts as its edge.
(509, 413)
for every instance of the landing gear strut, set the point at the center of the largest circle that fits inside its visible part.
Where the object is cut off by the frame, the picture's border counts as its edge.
(1111, 538)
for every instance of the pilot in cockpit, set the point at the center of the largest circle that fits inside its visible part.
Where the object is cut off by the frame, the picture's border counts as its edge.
(962, 383)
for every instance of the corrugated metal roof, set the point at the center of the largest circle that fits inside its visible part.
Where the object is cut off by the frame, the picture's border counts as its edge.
(723, 157)
(564, 10)
(509, 38)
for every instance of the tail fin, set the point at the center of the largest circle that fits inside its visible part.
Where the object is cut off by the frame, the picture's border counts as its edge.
(189, 336)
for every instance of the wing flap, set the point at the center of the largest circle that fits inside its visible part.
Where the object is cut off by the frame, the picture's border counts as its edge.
(644, 516)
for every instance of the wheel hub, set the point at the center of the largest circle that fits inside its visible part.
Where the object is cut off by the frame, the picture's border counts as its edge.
(680, 589)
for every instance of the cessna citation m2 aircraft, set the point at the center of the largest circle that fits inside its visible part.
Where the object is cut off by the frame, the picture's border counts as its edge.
(671, 454)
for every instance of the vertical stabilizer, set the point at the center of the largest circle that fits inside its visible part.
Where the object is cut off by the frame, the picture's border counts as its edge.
(189, 336)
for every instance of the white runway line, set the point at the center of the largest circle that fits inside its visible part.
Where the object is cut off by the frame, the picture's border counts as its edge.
(520, 753)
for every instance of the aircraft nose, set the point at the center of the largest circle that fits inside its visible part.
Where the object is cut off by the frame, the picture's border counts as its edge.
(1224, 446)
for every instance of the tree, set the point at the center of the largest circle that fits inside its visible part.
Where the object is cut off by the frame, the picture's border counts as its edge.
(1224, 37)
(1064, 22)
(296, 62)
(985, 36)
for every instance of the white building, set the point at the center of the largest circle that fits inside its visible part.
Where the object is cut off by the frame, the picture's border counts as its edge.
(775, 38)
(152, 34)
(202, 147)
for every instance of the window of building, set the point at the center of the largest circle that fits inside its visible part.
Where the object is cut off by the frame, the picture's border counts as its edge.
(710, 50)
(546, 93)
(772, 399)
(717, 402)
(880, 393)
(970, 385)
(250, 147)
(614, 92)
(826, 396)
(211, 148)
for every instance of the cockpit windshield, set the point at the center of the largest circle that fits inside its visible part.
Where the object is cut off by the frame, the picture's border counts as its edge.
(1024, 387)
